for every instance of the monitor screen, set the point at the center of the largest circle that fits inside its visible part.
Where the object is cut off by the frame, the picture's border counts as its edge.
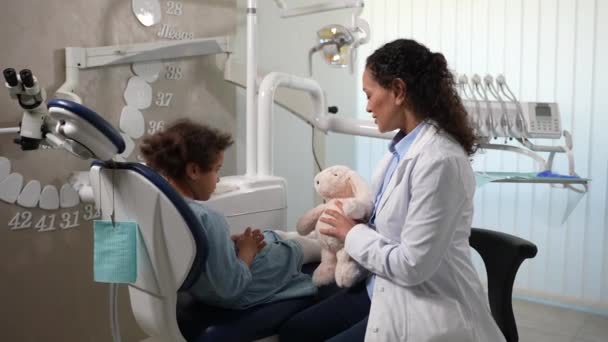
(543, 110)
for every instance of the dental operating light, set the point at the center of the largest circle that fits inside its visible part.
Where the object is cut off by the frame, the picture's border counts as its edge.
(335, 41)
(338, 43)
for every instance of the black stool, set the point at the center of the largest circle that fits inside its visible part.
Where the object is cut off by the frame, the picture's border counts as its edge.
(502, 255)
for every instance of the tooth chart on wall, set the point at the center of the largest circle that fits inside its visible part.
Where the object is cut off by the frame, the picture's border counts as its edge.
(61, 206)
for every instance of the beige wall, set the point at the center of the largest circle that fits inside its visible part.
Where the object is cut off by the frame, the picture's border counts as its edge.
(46, 288)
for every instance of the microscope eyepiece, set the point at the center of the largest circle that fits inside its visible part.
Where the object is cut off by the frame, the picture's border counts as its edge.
(27, 144)
(10, 76)
(27, 78)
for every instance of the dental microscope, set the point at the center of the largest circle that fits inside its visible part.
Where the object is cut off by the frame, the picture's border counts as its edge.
(24, 87)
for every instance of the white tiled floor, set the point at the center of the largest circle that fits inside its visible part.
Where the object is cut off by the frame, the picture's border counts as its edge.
(541, 323)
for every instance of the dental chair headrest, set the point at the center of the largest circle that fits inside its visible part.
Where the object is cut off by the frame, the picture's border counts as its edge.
(85, 132)
(178, 201)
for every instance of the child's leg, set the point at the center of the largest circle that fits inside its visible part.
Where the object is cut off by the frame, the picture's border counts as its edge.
(311, 249)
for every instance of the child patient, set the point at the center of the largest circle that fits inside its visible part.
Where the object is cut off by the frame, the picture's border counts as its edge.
(242, 270)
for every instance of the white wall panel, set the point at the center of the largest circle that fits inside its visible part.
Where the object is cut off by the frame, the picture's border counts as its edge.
(595, 245)
(581, 121)
(549, 50)
(599, 164)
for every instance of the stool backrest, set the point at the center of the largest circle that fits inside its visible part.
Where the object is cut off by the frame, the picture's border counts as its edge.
(502, 255)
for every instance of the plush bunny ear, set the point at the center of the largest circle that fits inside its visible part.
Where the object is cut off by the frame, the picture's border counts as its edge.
(360, 189)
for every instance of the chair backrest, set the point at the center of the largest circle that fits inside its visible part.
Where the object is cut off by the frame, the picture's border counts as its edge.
(172, 245)
(502, 255)
(83, 132)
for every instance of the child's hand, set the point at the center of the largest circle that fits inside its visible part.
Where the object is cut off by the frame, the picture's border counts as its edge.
(259, 237)
(257, 234)
(249, 244)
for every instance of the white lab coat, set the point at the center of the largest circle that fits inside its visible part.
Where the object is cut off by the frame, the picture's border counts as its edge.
(426, 287)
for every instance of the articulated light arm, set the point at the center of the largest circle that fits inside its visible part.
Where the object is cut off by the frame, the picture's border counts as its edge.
(316, 8)
(252, 74)
(320, 119)
(77, 58)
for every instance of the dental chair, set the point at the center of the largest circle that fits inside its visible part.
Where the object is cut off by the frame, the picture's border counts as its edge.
(502, 255)
(172, 247)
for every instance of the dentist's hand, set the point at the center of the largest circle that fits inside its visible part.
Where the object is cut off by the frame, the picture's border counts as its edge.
(340, 223)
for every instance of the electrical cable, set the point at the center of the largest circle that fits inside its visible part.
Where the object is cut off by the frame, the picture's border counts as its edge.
(114, 312)
(314, 153)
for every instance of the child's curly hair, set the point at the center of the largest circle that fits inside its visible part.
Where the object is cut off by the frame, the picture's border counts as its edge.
(183, 141)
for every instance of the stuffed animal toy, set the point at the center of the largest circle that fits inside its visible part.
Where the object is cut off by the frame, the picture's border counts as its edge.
(333, 184)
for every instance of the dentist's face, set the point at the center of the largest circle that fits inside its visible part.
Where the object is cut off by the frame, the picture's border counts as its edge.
(383, 103)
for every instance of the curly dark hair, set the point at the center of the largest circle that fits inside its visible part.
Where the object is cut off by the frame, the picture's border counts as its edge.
(183, 141)
(430, 87)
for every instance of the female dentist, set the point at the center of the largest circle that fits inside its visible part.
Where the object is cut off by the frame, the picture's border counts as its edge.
(424, 286)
